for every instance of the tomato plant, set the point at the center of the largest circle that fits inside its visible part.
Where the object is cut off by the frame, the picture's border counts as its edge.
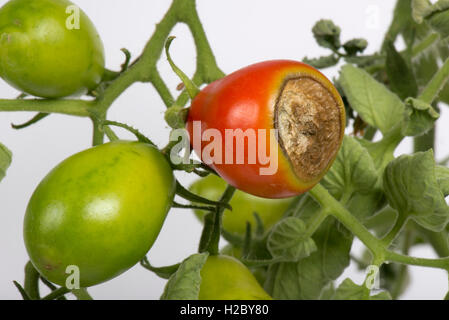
(46, 53)
(101, 210)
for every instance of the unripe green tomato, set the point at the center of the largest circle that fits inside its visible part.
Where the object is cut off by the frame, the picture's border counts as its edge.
(45, 52)
(243, 205)
(226, 278)
(260, 273)
(100, 210)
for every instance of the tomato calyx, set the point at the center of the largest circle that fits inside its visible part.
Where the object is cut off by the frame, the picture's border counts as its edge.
(190, 86)
(307, 118)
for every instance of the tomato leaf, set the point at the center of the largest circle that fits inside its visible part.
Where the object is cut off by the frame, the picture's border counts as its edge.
(327, 34)
(419, 117)
(5, 160)
(355, 177)
(353, 170)
(354, 46)
(306, 278)
(376, 105)
(411, 187)
(288, 240)
(402, 79)
(442, 174)
(22, 291)
(185, 283)
(348, 290)
(162, 272)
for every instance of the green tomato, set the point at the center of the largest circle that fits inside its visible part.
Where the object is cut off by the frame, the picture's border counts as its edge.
(226, 278)
(243, 205)
(260, 273)
(99, 210)
(44, 52)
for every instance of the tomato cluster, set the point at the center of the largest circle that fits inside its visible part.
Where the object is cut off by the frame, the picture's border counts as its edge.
(101, 210)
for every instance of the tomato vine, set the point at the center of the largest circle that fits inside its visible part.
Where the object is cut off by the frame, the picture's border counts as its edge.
(330, 201)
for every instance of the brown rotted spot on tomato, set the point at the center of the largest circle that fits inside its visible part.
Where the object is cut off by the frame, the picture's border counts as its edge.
(308, 119)
(48, 267)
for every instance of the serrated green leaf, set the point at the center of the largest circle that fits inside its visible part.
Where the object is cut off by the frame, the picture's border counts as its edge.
(288, 240)
(376, 105)
(5, 160)
(305, 279)
(419, 117)
(363, 206)
(185, 283)
(327, 34)
(401, 77)
(355, 46)
(411, 187)
(353, 170)
(442, 174)
(354, 176)
(348, 290)
(322, 62)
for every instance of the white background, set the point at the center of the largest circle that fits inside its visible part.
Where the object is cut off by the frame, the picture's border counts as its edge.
(240, 33)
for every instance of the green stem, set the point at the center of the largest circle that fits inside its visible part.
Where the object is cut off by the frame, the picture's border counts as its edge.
(78, 108)
(378, 249)
(32, 281)
(322, 196)
(395, 230)
(425, 141)
(190, 86)
(225, 198)
(441, 263)
(56, 294)
(425, 44)
(403, 270)
(315, 221)
(82, 294)
(161, 88)
(110, 134)
(431, 91)
(211, 237)
(98, 133)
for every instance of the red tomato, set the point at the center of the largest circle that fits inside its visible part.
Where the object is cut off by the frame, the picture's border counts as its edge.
(303, 119)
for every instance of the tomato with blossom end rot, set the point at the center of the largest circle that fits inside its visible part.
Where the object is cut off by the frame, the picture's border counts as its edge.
(271, 129)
